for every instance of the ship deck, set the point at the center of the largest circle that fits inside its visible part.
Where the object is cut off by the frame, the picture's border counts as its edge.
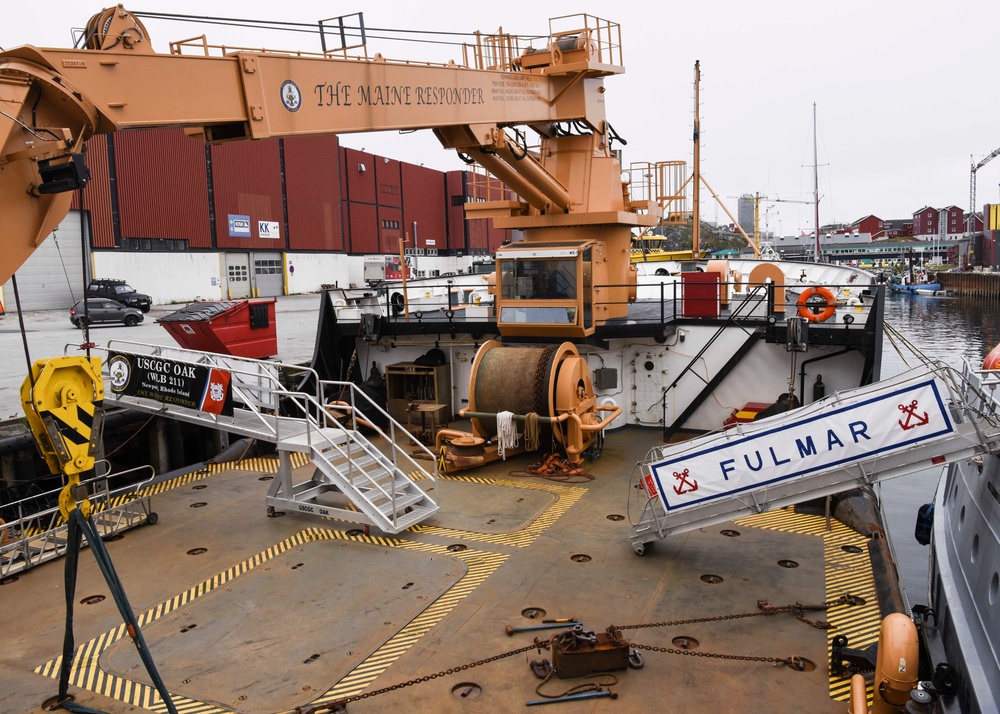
(249, 613)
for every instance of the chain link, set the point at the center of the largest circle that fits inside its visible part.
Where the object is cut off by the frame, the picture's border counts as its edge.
(614, 631)
(329, 707)
(795, 608)
(715, 655)
(347, 377)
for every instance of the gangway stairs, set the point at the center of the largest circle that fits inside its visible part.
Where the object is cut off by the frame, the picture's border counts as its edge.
(930, 416)
(378, 484)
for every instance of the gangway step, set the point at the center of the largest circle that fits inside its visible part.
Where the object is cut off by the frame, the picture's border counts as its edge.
(381, 479)
(415, 516)
(318, 437)
(342, 462)
(403, 501)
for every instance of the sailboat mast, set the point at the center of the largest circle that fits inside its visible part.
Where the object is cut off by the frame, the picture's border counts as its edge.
(696, 183)
(816, 183)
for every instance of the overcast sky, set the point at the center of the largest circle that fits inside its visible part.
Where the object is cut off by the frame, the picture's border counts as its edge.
(906, 91)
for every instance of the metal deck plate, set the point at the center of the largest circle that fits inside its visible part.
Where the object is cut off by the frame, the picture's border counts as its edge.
(261, 626)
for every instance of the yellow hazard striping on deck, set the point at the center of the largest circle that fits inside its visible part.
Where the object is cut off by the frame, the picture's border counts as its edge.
(848, 569)
(87, 673)
(567, 497)
(480, 565)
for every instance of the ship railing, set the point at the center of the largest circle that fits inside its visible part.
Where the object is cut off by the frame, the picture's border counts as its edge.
(256, 387)
(450, 302)
(33, 537)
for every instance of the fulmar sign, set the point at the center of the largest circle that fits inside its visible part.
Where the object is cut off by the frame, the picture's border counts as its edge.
(877, 425)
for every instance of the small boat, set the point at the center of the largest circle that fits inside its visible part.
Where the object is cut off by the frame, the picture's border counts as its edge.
(921, 288)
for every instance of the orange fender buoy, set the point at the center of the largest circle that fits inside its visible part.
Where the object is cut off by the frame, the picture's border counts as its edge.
(992, 360)
(807, 304)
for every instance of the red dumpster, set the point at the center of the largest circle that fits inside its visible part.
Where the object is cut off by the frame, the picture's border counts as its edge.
(243, 328)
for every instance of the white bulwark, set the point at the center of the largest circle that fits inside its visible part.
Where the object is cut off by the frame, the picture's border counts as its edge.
(750, 459)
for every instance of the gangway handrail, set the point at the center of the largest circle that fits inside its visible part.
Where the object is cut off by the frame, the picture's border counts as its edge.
(392, 422)
(276, 391)
(267, 382)
(316, 431)
(272, 387)
(20, 533)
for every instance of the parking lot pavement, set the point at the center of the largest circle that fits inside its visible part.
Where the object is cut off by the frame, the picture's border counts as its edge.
(49, 334)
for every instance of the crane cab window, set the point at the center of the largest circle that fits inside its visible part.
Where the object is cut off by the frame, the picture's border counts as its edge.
(546, 279)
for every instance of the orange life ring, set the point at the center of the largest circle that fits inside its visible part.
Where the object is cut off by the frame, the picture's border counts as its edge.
(807, 304)
(992, 360)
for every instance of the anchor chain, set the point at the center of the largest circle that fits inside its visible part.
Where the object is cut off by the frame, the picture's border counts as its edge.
(614, 631)
(795, 608)
(790, 661)
(347, 377)
(331, 706)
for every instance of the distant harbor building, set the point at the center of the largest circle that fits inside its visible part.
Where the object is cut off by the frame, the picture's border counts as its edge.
(745, 213)
(939, 223)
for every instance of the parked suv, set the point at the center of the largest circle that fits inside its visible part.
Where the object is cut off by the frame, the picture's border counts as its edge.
(119, 290)
(100, 310)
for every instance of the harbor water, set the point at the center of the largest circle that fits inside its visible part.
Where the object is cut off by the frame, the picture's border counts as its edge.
(949, 329)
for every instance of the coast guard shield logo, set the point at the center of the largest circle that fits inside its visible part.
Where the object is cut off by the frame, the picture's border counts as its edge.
(291, 97)
(119, 370)
(216, 397)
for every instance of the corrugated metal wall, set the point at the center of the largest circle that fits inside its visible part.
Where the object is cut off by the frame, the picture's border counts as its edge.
(247, 180)
(359, 176)
(162, 186)
(423, 203)
(97, 193)
(312, 186)
(390, 228)
(362, 227)
(333, 204)
(387, 182)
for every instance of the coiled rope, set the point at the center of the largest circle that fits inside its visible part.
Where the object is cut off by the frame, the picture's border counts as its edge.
(506, 433)
(532, 434)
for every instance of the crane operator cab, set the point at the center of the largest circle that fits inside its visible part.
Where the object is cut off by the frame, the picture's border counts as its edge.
(548, 289)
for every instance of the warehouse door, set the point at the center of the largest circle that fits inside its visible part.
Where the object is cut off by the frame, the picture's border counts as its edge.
(237, 275)
(268, 275)
(52, 278)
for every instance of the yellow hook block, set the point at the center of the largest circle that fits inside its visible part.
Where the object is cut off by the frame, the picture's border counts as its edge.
(62, 401)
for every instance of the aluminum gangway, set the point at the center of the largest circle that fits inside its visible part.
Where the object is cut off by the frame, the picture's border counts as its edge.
(33, 536)
(380, 480)
(930, 416)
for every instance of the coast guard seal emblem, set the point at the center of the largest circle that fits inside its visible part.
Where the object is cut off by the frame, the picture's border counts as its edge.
(291, 96)
(119, 370)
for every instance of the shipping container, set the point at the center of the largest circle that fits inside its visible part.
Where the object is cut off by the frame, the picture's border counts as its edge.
(358, 176)
(249, 211)
(458, 230)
